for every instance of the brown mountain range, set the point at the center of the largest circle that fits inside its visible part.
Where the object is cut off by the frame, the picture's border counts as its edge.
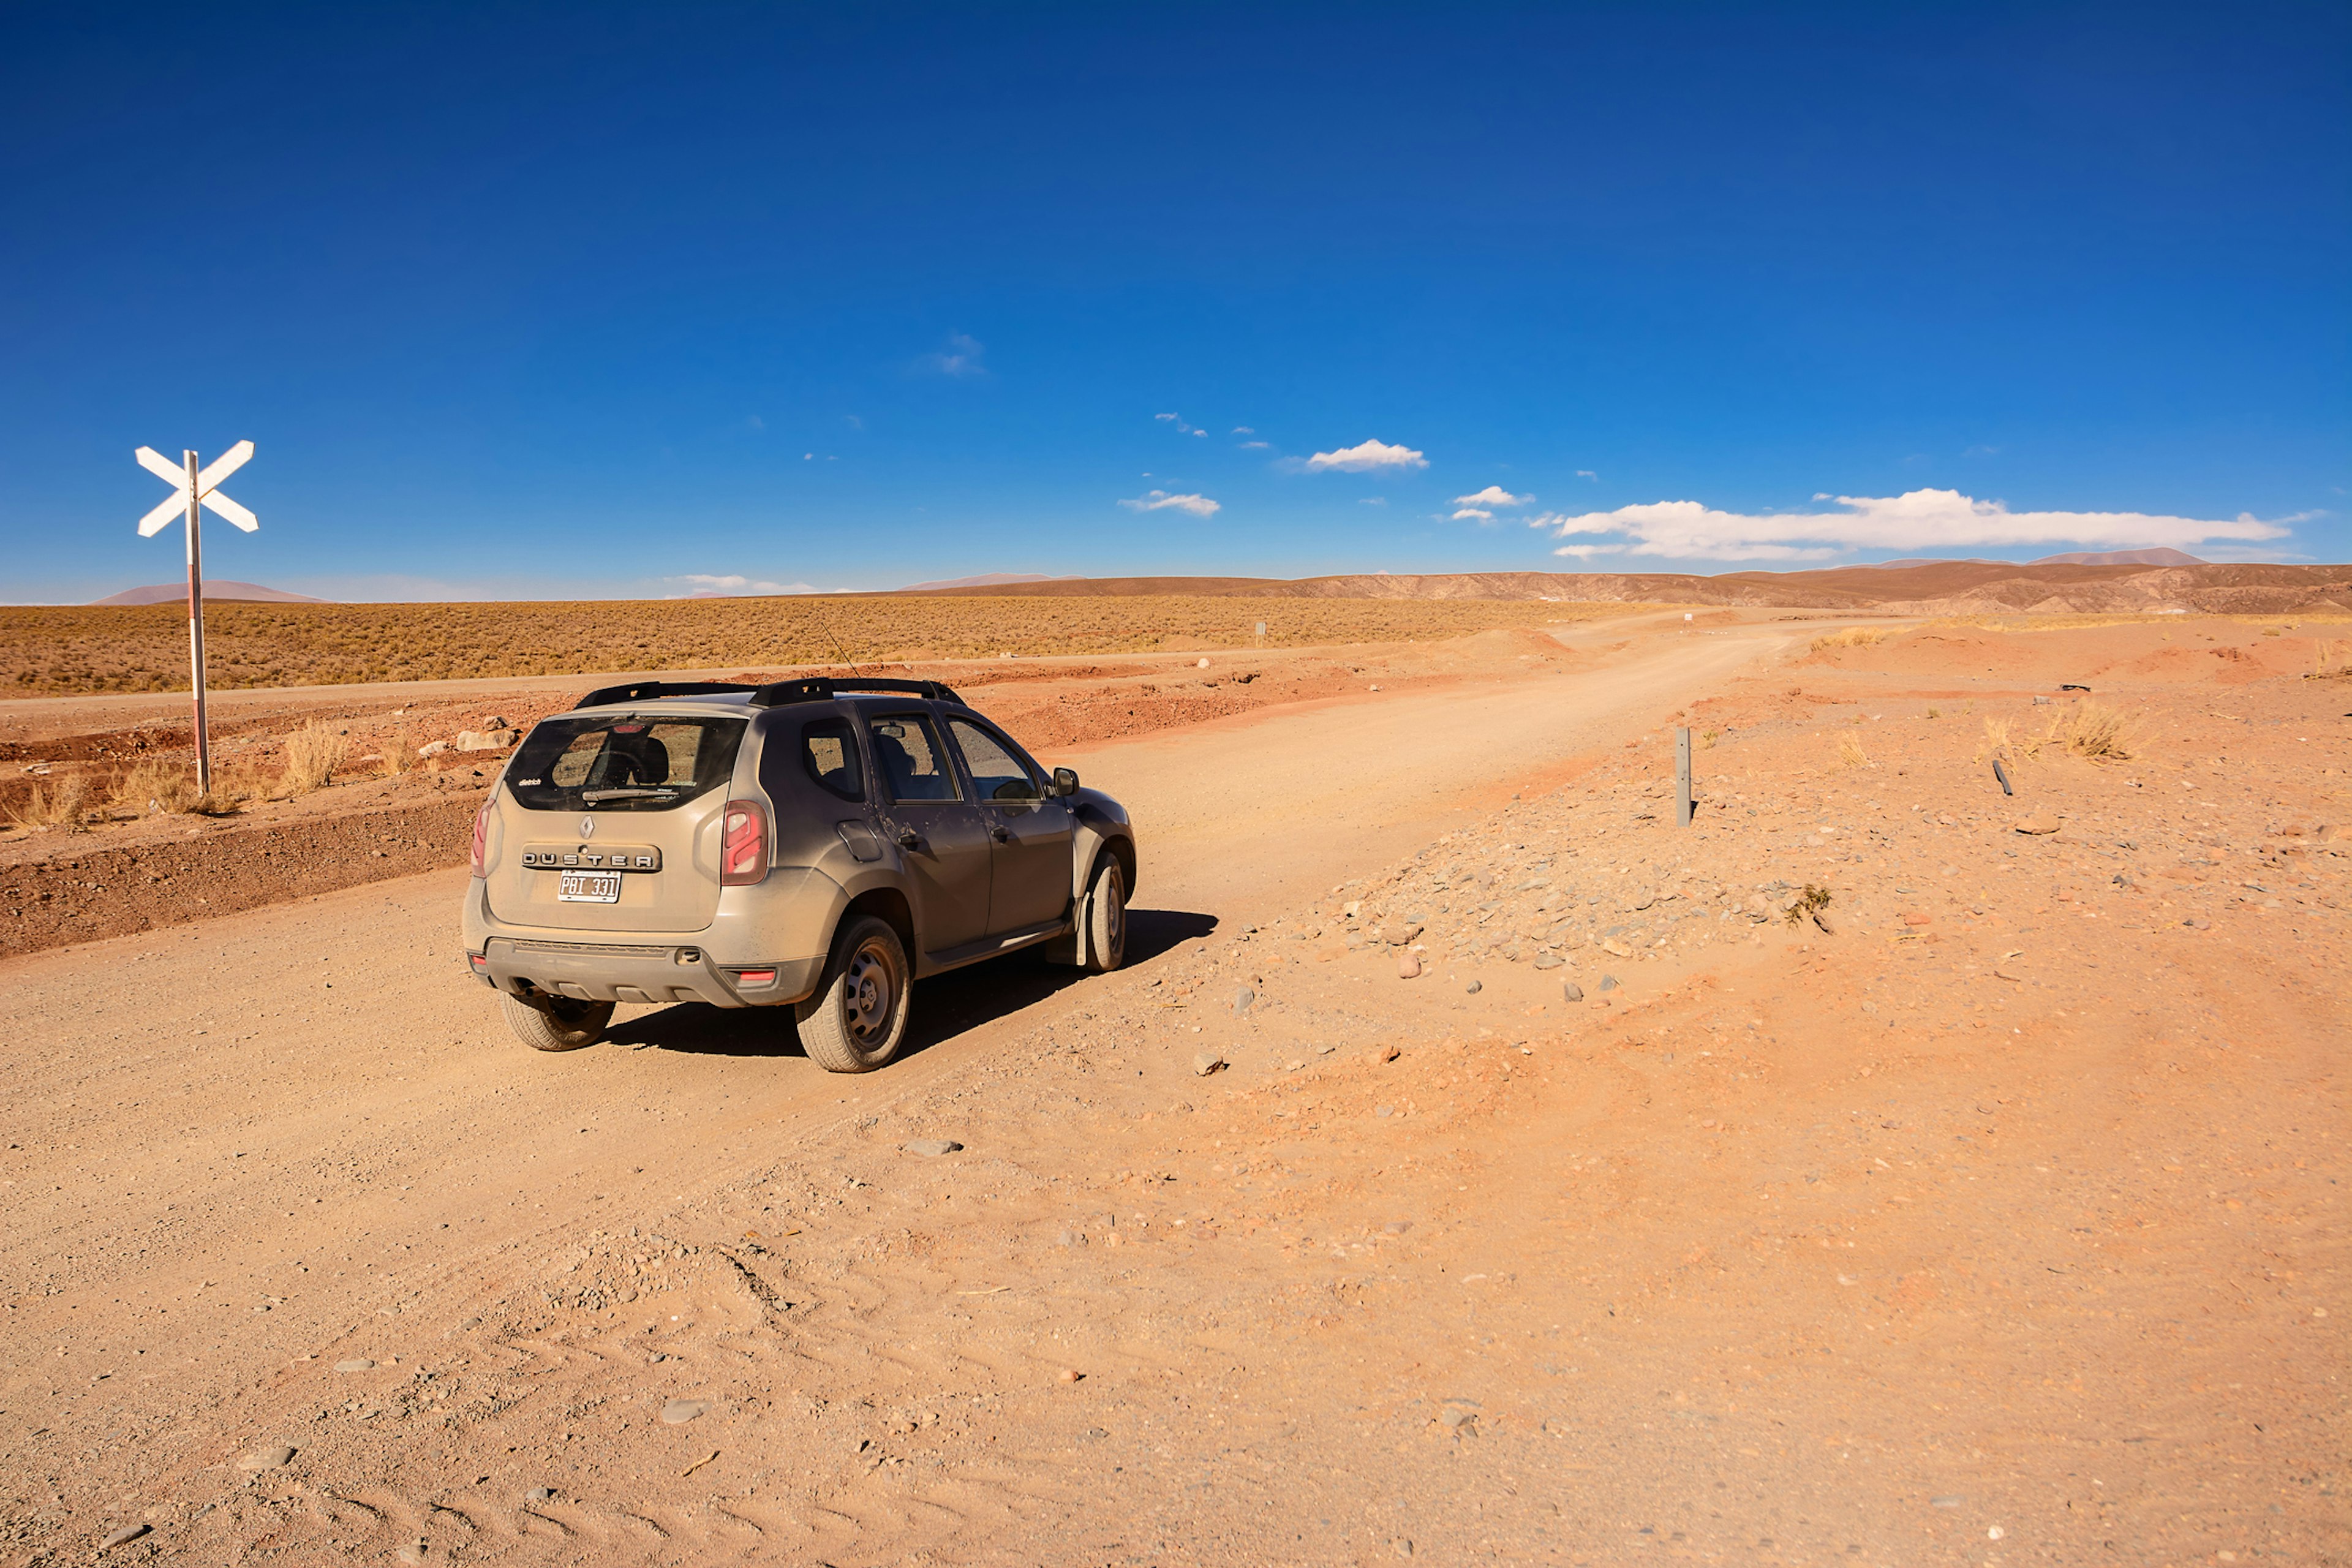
(1935, 587)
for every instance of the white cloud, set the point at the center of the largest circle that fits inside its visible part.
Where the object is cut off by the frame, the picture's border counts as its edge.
(1915, 522)
(1478, 513)
(1492, 494)
(1161, 500)
(959, 358)
(1588, 474)
(709, 585)
(1587, 552)
(1255, 445)
(1244, 431)
(1181, 427)
(1366, 458)
(1371, 501)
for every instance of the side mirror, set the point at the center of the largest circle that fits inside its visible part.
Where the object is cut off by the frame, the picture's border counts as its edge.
(1065, 781)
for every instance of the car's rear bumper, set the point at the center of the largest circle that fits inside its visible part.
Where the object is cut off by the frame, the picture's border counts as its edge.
(640, 973)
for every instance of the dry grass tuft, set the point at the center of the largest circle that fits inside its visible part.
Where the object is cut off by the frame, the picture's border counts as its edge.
(1852, 636)
(154, 785)
(65, 804)
(314, 752)
(1850, 754)
(2084, 730)
(2094, 734)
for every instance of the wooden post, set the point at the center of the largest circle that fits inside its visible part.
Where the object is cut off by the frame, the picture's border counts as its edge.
(197, 627)
(1683, 808)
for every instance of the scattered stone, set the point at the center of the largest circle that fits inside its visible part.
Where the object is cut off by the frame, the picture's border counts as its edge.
(1946, 1501)
(1398, 1226)
(269, 1457)
(1474, 987)
(485, 740)
(1400, 1546)
(1399, 932)
(1243, 999)
(432, 748)
(1571, 990)
(1206, 1063)
(1068, 1375)
(124, 1536)
(1608, 983)
(1463, 1422)
(1383, 1110)
(1408, 966)
(2037, 824)
(1391, 1053)
(413, 1552)
(2197, 922)
(1548, 961)
(539, 1494)
(357, 1364)
(679, 1412)
(932, 1148)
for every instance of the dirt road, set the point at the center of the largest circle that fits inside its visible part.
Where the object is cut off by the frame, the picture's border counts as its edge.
(306, 1259)
(232, 1142)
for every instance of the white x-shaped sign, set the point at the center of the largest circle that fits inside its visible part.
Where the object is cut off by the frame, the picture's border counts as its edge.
(176, 476)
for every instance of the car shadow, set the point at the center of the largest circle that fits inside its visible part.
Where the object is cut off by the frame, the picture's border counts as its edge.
(945, 1005)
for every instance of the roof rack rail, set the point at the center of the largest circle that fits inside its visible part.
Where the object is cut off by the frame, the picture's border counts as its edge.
(824, 687)
(648, 691)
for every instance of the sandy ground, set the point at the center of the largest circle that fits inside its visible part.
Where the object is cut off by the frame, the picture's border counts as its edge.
(1993, 1216)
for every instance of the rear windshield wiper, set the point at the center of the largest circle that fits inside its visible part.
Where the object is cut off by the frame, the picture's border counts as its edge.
(625, 793)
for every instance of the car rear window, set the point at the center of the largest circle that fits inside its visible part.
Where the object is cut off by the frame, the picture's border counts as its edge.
(634, 762)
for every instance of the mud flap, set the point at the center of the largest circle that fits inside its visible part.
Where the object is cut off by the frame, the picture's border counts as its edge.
(1072, 949)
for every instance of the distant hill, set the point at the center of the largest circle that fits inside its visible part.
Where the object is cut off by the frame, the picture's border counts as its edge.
(165, 593)
(2162, 556)
(987, 579)
(1932, 587)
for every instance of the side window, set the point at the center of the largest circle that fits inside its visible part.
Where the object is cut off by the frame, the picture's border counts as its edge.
(994, 769)
(908, 754)
(829, 747)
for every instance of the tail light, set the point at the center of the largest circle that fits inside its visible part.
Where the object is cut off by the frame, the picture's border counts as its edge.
(743, 843)
(481, 835)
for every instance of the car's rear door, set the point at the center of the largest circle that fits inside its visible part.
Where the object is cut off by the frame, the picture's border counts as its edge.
(1030, 875)
(943, 839)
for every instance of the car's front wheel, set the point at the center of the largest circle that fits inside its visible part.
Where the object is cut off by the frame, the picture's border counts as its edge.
(1106, 918)
(858, 1019)
(557, 1024)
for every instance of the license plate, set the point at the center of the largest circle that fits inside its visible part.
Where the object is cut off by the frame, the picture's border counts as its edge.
(589, 888)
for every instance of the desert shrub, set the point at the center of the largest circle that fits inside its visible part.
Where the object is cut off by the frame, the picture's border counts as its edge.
(1850, 752)
(153, 786)
(2093, 732)
(1852, 636)
(1809, 903)
(64, 803)
(314, 752)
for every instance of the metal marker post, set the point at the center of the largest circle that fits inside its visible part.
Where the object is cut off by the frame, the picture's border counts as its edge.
(1683, 808)
(196, 624)
(195, 489)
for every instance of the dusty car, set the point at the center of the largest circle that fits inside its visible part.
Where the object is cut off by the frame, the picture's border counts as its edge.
(817, 844)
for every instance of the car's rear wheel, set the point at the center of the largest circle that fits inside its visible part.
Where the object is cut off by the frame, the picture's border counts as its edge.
(1106, 918)
(858, 1019)
(557, 1023)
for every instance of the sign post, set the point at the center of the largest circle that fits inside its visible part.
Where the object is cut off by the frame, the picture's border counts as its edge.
(193, 488)
(1682, 777)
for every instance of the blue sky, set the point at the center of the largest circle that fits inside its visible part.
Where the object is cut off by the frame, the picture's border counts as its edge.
(521, 302)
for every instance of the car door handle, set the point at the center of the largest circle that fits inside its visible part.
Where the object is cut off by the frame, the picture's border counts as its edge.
(1000, 835)
(909, 839)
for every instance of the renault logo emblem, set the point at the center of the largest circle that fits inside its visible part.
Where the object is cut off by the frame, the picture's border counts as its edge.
(587, 827)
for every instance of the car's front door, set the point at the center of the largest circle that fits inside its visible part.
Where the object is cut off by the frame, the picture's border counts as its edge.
(1033, 830)
(942, 836)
